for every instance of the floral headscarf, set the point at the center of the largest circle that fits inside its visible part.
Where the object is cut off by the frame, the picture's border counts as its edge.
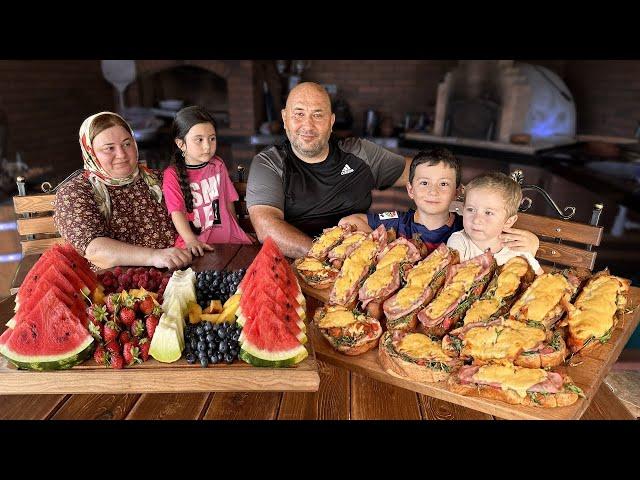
(99, 178)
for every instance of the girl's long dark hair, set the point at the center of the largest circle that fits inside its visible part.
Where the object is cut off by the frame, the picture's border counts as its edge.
(185, 119)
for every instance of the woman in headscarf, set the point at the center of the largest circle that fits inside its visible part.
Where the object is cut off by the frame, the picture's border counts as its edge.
(114, 212)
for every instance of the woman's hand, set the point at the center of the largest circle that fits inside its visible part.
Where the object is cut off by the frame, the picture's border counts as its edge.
(520, 240)
(172, 258)
(196, 247)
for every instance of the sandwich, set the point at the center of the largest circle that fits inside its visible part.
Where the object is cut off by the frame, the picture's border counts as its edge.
(350, 242)
(415, 356)
(423, 281)
(596, 311)
(546, 299)
(356, 268)
(503, 339)
(329, 238)
(348, 331)
(534, 387)
(392, 262)
(510, 280)
(314, 272)
(463, 285)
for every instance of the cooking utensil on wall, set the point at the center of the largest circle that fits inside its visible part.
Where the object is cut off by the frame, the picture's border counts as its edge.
(119, 73)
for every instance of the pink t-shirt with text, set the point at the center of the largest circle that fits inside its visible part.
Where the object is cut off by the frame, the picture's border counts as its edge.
(212, 190)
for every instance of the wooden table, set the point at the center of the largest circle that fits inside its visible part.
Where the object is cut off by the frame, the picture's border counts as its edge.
(342, 395)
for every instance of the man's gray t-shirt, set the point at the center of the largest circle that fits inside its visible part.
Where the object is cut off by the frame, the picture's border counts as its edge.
(314, 196)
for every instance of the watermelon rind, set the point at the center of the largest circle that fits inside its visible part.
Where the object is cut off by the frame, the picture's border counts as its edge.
(265, 358)
(50, 362)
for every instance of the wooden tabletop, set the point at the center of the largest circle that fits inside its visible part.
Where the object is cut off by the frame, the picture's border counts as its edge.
(342, 395)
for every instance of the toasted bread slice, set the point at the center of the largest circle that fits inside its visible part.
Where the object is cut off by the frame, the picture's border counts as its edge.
(548, 389)
(415, 356)
(348, 331)
(314, 272)
(330, 238)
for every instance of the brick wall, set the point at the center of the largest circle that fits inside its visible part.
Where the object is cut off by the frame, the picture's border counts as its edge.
(392, 87)
(45, 102)
(607, 95)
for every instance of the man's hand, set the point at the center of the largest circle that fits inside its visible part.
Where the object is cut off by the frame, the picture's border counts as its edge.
(269, 221)
(520, 240)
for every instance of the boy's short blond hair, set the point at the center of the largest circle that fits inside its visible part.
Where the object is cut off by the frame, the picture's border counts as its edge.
(502, 184)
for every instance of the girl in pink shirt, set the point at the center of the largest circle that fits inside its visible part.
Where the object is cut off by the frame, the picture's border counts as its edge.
(198, 191)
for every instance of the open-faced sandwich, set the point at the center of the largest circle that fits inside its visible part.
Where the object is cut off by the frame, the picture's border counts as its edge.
(314, 272)
(464, 283)
(599, 306)
(348, 331)
(384, 282)
(329, 238)
(546, 299)
(503, 339)
(422, 283)
(511, 279)
(356, 268)
(350, 242)
(533, 387)
(415, 356)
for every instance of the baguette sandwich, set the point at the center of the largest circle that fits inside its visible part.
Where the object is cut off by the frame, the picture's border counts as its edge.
(348, 331)
(392, 262)
(511, 279)
(546, 299)
(314, 272)
(533, 387)
(415, 356)
(423, 281)
(503, 339)
(596, 311)
(330, 238)
(350, 242)
(463, 285)
(356, 268)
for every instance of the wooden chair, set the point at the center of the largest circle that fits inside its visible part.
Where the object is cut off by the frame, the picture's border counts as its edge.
(241, 205)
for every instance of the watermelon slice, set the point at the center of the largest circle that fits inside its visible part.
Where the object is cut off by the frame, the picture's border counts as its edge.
(74, 301)
(50, 337)
(269, 343)
(89, 279)
(285, 312)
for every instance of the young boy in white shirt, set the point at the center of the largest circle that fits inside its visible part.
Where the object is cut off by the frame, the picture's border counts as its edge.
(490, 205)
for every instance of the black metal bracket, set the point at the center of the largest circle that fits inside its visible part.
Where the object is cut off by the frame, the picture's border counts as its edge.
(46, 187)
(518, 176)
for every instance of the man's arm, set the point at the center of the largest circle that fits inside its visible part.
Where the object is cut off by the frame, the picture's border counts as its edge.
(404, 177)
(106, 252)
(269, 221)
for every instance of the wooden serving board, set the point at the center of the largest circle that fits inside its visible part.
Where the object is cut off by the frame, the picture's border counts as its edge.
(156, 377)
(587, 371)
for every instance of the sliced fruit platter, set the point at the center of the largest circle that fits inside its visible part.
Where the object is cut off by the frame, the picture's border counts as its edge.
(158, 328)
(494, 338)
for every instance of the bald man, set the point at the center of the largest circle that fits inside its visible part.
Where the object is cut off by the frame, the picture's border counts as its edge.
(312, 180)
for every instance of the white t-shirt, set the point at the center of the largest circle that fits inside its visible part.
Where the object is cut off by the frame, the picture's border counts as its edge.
(463, 243)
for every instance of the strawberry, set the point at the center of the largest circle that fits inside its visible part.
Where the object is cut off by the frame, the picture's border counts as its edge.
(116, 361)
(110, 331)
(130, 353)
(144, 346)
(101, 356)
(113, 348)
(137, 328)
(124, 337)
(96, 331)
(112, 302)
(151, 322)
(97, 314)
(147, 305)
(127, 316)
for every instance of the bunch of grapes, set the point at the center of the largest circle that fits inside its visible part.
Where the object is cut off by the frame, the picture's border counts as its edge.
(118, 279)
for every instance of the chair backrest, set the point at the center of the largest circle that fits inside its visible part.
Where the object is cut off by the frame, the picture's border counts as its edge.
(241, 207)
(35, 220)
(554, 233)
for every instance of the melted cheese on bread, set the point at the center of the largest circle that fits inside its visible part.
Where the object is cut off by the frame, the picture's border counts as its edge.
(379, 279)
(501, 341)
(417, 345)
(326, 240)
(542, 296)
(509, 376)
(341, 249)
(509, 278)
(395, 255)
(460, 283)
(481, 310)
(311, 264)
(354, 266)
(418, 279)
(337, 317)
(595, 308)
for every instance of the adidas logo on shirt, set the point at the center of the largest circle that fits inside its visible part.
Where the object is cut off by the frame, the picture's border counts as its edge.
(346, 169)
